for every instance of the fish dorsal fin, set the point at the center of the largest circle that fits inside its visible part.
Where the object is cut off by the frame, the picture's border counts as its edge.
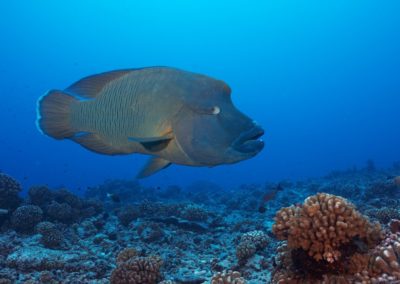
(154, 165)
(154, 144)
(89, 87)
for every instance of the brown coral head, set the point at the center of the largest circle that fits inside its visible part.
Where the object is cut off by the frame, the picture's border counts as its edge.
(322, 225)
(126, 254)
(137, 270)
(394, 226)
(386, 259)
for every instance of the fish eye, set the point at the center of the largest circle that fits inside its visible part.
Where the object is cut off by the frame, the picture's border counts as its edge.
(215, 110)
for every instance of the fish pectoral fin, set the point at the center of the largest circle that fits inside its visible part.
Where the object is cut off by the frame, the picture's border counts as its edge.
(154, 144)
(154, 165)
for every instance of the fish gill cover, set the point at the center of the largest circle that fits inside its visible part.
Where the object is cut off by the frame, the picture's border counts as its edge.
(318, 205)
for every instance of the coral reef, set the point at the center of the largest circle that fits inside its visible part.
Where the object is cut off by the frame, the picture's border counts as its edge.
(51, 236)
(128, 214)
(394, 226)
(205, 233)
(40, 196)
(40, 259)
(150, 232)
(25, 218)
(126, 254)
(136, 269)
(194, 213)
(61, 212)
(384, 215)
(385, 262)
(65, 196)
(322, 225)
(382, 188)
(9, 192)
(296, 266)
(249, 243)
(357, 258)
(63, 206)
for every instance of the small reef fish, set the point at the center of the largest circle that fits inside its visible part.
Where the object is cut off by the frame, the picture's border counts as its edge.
(269, 196)
(173, 115)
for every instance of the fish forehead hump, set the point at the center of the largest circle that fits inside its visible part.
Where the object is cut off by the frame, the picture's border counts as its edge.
(181, 82)
(192, 89)
(165, 82)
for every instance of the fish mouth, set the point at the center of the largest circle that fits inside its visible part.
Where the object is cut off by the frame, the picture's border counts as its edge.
(249, 141)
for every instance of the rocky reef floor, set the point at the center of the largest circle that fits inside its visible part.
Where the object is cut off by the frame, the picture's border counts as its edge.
(341, 228)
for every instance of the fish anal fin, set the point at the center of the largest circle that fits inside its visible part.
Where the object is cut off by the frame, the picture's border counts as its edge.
(95, 143)
(89, 87)
(154, 144)
(154, 165)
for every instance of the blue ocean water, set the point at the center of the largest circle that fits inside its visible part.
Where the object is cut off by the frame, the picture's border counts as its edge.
(321, 77)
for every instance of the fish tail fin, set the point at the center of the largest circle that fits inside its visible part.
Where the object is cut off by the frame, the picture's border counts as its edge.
(53, 114)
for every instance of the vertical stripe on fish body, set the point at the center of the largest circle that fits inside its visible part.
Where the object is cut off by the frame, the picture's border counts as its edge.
(134, 105)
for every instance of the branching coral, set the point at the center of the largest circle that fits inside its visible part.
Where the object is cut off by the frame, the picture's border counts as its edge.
(126, 254)
(228, 277)
(249, 243)
(387, 257)
(361, 259)
(380, 264)
(322, 225)
(297, 267)
(137, 270)
(134, 269)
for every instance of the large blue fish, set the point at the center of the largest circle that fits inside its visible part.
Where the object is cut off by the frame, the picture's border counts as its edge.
(173, 115)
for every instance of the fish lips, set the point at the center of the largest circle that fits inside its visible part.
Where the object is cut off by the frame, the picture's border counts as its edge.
(248, 142)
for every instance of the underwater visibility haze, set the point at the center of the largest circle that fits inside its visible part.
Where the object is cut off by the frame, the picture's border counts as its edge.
(315, 201)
